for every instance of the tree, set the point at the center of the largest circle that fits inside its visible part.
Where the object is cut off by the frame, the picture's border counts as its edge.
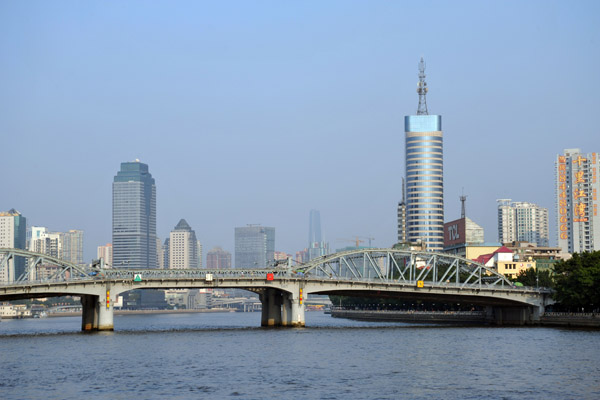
(577, 282)
(532, 277)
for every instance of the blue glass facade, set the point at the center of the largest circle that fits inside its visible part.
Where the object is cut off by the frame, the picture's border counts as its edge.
(254, 246)
(134, 217)
(424, 180)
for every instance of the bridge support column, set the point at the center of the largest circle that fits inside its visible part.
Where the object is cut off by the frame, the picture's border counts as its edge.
(96, 315)
(271, 301)
(297, 311)
(510, 315)
(286, 310)
(89, 313)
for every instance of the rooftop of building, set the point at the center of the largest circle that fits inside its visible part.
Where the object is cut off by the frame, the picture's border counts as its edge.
(182, 225)
(10, 213)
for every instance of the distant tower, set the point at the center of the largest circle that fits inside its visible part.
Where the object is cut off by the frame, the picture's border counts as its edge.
(424, 173)
(463, 200)
(316, 246)
(314, 226)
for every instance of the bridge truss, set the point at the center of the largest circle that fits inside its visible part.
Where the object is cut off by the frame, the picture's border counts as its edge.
(40, 267)
(403, 266)
(375, 265)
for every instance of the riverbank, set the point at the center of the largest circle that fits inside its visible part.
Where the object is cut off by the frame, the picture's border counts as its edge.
(579, 320)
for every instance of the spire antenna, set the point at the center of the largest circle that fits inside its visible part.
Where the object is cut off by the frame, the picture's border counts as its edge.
(422, 90)
(463, 200)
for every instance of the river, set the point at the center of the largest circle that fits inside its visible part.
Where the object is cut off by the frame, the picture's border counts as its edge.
(227, 355)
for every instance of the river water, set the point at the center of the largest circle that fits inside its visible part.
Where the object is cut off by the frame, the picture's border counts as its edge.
(227, 355)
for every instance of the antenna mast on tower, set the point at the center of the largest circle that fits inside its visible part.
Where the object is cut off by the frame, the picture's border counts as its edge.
(422, 90)
(463, 200)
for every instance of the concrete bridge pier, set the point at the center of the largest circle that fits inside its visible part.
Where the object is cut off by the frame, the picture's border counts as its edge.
(281, 309)
(297, 311)
(271, 300)
(513, 315)
(96, 315)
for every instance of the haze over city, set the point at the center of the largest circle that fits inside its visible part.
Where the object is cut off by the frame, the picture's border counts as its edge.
(258, 112)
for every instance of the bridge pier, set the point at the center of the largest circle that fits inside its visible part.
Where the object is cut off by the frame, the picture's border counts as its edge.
(513, 315)
(281, 309)
(96, 316)
(297, 319)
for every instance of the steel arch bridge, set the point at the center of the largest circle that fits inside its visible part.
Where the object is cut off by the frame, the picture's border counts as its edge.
(404, 266)
(364, 272)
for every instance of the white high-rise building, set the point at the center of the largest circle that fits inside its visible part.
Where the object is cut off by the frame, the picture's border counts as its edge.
(577, 190)
(183, 247)
(522, 222)
(106, 253)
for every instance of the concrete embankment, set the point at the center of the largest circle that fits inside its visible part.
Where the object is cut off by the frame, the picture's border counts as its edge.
(579, 320)
(434, 317)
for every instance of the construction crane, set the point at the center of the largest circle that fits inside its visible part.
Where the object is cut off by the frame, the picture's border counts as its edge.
(356, 241)
(369, 239)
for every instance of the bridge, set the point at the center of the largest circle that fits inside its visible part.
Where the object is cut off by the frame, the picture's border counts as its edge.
(284, 287)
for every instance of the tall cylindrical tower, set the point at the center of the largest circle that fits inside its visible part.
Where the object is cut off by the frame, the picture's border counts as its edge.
(424, 173)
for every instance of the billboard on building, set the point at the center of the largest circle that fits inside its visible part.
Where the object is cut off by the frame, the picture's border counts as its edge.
(455, 232)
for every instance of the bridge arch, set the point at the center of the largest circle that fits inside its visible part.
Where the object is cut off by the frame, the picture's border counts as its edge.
(53, 269)
(403, 266)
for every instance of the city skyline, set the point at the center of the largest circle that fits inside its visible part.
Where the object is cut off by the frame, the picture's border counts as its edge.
(233, 100)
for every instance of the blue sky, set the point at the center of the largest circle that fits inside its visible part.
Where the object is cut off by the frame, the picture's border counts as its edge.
(256, 112)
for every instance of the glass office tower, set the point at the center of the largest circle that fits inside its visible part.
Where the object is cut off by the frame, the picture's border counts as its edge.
(134, 217)
(254, 246)
(425, 180)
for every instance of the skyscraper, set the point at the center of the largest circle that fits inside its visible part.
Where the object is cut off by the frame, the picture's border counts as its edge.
(314, 226)
(254, 246)
(134, 217)
(183, 247)
(523, 222)
(577, 190)
(316, 246)
(424, 173)
(13, 235)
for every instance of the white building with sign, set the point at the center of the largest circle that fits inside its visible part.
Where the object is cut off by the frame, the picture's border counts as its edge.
(577, 188)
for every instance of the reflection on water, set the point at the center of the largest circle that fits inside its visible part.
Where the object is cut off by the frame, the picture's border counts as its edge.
(182, 356)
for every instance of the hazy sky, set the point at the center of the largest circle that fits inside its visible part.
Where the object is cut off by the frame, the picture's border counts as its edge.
(257, 111)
